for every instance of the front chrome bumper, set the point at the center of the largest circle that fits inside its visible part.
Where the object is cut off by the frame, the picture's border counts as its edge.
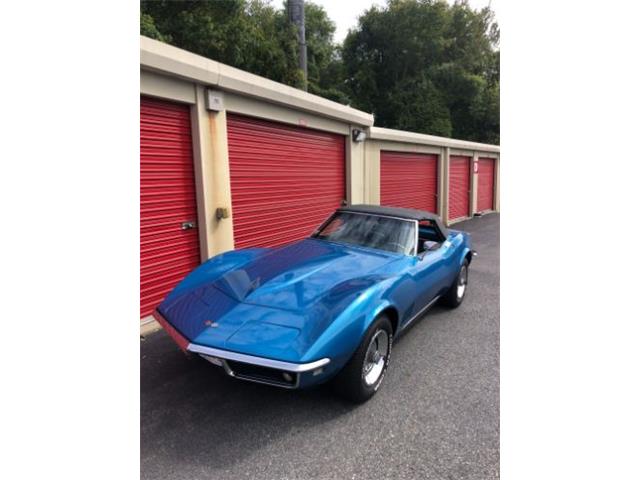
(259, 369)
(247, 367)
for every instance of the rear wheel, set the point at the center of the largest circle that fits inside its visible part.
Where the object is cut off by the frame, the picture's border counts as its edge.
(455, 295)
(361, 377)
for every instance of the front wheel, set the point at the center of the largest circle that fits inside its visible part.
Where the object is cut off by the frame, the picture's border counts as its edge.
(454, 296)
(362, 376)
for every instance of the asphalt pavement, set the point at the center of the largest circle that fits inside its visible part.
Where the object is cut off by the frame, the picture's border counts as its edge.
(436, 415)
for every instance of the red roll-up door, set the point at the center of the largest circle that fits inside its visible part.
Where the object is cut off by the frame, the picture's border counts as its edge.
(285, 180)
(409, 180)
(168, 251)
(486, 177)
(459, 181)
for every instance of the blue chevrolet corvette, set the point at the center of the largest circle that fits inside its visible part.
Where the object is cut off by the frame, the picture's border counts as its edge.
(324, 308)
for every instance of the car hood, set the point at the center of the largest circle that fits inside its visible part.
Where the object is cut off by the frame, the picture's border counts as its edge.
(277, 305)
(296, 276)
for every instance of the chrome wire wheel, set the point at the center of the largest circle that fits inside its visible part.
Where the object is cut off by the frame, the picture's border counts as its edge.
(376, 357)
(462, 281)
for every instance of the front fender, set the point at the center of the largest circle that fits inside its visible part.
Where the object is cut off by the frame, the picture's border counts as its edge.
(342, 336)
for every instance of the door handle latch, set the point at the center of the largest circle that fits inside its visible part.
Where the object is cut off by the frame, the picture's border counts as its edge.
(188, 225)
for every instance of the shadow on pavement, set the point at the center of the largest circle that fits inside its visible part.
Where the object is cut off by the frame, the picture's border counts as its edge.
(192, 411)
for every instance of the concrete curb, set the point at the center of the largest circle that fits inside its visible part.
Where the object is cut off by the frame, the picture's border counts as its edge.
(149, 325)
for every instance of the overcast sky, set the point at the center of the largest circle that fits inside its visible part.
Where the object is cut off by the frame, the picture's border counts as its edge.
(345, 12)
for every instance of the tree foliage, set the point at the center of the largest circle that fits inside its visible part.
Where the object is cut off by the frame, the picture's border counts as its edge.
(250, 35)
(427, 66)
(419, 65)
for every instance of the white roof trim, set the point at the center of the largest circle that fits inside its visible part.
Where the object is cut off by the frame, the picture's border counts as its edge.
(158, 56)
(378, 133)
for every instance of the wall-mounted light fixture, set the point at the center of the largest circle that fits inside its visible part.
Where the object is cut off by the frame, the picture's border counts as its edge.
(358, 135)
(222, 213)
(215, 101)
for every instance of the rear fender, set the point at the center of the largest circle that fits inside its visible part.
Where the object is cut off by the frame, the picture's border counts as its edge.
(465, 248)
(465, 252)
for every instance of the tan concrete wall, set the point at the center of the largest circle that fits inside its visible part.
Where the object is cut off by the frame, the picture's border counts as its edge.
(175, 62)
(443, 184)
(474, 184)
(211, 160)
(174, 74)
(372, 168)
(372, 172)
(356, 170)
(220, 231)
(269, 111)
(202, 150)
(168, 88)
(401, 136)
(211, 157)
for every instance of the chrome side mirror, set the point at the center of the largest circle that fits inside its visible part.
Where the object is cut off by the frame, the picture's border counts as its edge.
(430, 246)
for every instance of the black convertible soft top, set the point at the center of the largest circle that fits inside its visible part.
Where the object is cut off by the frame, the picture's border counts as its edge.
(408, 213)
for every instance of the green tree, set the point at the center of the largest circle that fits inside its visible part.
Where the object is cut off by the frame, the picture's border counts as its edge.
(148, 28)
(250, 35)
(419, 65)
(324, 65)
(427, 66)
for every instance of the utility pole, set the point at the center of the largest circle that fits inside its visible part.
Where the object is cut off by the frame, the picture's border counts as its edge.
(296, 17)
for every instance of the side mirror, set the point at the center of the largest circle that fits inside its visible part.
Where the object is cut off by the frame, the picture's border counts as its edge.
(430, 246)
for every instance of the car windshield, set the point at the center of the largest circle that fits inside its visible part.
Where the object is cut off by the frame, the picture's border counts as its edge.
(373, 231)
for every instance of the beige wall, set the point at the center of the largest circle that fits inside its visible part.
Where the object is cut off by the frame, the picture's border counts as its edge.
(211, 162)
(372, 171)
(211, 156)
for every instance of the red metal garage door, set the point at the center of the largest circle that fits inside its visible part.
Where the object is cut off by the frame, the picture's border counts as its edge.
(486, 176)
(459, 176)
(167, 199)
(285, 180)
(409, 180)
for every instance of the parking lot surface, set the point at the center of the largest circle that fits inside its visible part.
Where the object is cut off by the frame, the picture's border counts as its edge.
(436, 415)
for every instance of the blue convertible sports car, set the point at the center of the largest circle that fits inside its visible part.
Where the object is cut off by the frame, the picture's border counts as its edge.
(325, 308)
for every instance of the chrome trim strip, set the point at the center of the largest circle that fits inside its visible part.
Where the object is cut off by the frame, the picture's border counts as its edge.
(429, 305)
(261, 361)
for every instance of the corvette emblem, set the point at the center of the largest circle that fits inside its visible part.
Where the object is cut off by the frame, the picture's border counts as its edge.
(211, 324)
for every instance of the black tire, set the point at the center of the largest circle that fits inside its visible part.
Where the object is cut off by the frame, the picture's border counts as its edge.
(351, 382)
(453, 298)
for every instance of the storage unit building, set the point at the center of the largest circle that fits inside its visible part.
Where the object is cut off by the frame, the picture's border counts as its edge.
(232, 160)
(427, 172)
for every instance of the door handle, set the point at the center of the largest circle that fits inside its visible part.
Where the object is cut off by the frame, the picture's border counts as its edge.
(188, 225)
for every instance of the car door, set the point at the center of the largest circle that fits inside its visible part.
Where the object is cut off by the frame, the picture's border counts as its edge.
(432, 274)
